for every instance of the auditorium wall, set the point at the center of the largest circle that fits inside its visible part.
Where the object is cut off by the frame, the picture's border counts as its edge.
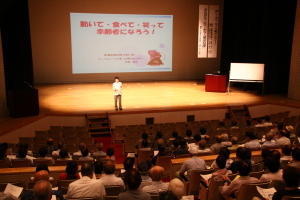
(3, 108)
(51, 41)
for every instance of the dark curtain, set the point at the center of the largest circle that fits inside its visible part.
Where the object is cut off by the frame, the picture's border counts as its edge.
(260, 31)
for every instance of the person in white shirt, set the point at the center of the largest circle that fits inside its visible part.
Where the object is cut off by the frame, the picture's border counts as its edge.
(269, 142)
(85, 155)
(225, 140)
(273, 164)
(86, 186)
(251, 143)
(110, 178)
(197, 139)
(259, 123)
(144, 169)
(157, 186)
(267, 121)
(60, 146)
(117, 87)
(81, 146)
(282, 139)
(286, 153)
(203, 148)
(99, 147)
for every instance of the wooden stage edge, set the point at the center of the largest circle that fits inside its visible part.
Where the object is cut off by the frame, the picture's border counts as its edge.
(79, 99)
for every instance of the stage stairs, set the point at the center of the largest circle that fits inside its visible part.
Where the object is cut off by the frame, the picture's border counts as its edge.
(98, 124)
(239, 112)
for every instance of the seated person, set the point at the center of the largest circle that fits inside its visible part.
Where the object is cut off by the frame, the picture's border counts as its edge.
(291, 179)
(267, 121)
(197, 139)
(157, 186)
(98, 168)
(207, 139)
(60, 146)
(81, 146)
(273, 165)
(282, 139)
(218, 144)
(144, 146)
(182, 149)
(295, 157)
(161, 152)
(242, 154)
(85, 155)
(43, 154)
(226, 153)
(265, 153)
(50, 146)
(188, 134)
(244, 168)
(110, 178)
(251, 143)
(234, 142)
(286, 153)
(177, 187)
(144, 170)
(203, 148)
(133, 180)
(175, 145)
(64, 155)
(138, 144)
(99, 147)
(3, 155)
(41, 167)
(110, 154)
(174, 135)
(127, 164)
(221, 126)
(71, 171)
(225, 140)
(202, 131)
(259, 123)
(234, 125)
(168, 195)
(269, 142)
(22, 154)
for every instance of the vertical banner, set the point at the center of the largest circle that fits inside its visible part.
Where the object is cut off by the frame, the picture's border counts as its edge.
(213, 31)
(202, 31)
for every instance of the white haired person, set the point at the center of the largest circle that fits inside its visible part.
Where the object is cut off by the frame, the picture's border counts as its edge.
(177, 187)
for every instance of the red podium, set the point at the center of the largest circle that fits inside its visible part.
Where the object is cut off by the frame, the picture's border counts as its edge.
(215, 83)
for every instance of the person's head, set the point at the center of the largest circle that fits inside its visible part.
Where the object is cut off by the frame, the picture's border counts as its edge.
(99, 146)
(234, 123)
(177, 187)
(202, 131)
(42, 190)
(280, 126)
(63, 153)
(144, 136)
(87, 169)
(234, 140)
(286, 150)
(248, 122)
(259, 120)
(176, 143)
(273, 164)
(291, 176)
(167, 195)
(224, 152)
(218, 139)
(276, 154)
(128, 163)
(117, 79)
(43, 151)
(175, 134)
(243, 153)
(71, 169)
(144, 168)
(193, 151)
(109, 167)
(98, 167)
(81, 146)
(250, 136)
(267, 118)
(265, 153)
(145, 143)
(244, 167)
(207, 138)
(41, 167)
(182, 142)
(60, 145)
(221, 123)
(161, 148)
(133, 179)
(221, 161)
(23, 145)
(85, 152)
(50, 142)
(110, 152)
(202, 144)
(157, 173)
(22, 153)
(296, 154)
(41, 175)
(269, 136)
(159, 134)
(188, 133)
(197, 137)
(224, 137)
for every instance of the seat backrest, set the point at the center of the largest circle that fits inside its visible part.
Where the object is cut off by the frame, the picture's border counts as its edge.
(194, 181)
(72, 148)
(5, 163)
(48, 162)
(277, 184)
(165, 162)
(256, 174)
(41, 134)
(247, 189)
(40, 140)
(61, 162)
(21, 163)
(87, 140)
(114, 190)
(213, 187)
(145, 155)
(183, 156)
(73, 140)
(255, 167)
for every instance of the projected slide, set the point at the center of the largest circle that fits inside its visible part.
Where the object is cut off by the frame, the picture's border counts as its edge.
(106, 43)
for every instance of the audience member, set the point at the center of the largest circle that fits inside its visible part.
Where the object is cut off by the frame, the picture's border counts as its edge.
(202, 131)
(3, 155)
(286, 153)
(86, 186)
(188, 134)
(50, 146)
(244, 168)
(144, 169)
(110, 178)
(291, 179)
(110, 154)
(100, 151)
(133, 180)
(174, 135)
(221, 126)
(218, 144)
(42, 190)
(41, 167)
(71, 171)
(167, 195)
(282, 139)
(225, 140)
(226, 153)
(234, 125)
(81, 146)
(203, 148)
(157, 186)
(43, 154)
(138, 144)
(267, 121)
(242, 154)
(158, 140)
(265, 153)
(269, 142)
(182, 149)
(273, 165)
(207, 139)
(145, 146)
(64, 155)
(127, 164)
(85, 155)
(197, 139)
(161, 152)
(175, 145)
(248, 124)
(234, 142)
(60, 146)
(251, 143)
(98, 168)
(177, 187)
(259, 123)
(296, 157)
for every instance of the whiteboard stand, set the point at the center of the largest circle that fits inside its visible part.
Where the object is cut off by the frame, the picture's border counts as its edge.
(248, 81)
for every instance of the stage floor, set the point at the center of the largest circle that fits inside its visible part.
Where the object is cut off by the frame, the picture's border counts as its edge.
(143, 96)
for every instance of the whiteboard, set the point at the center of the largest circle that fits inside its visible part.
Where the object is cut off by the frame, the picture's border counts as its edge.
(247, 71)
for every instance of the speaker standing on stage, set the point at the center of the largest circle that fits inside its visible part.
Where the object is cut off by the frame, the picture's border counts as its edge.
(117, 87)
